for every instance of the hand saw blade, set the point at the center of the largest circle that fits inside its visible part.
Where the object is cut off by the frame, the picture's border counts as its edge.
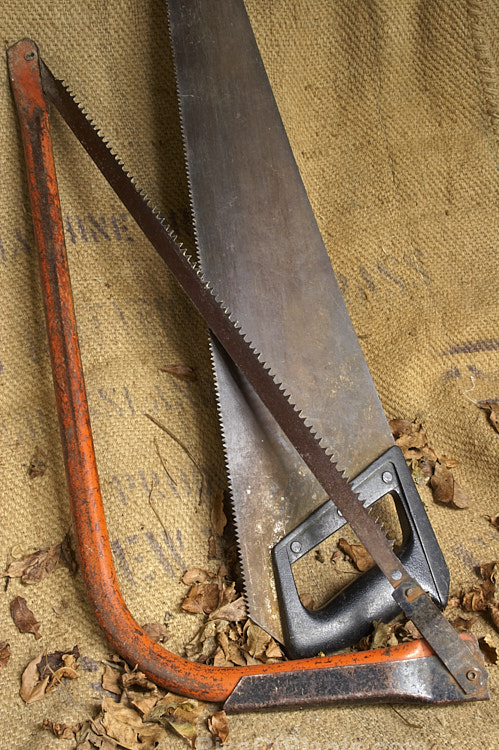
(258, 242)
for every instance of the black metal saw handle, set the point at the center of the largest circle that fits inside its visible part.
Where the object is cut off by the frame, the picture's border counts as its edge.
(348, 617)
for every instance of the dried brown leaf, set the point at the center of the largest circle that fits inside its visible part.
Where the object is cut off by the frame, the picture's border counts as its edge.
(122, 724)
(212, 547)
(234, 611)
(137, 679)
(463, 624)
(158, 631)
(257, 640)
(460, 499)
(490, 571)
(492, 414)
(474, 600)
(37, 464)
(488, 648)
(184, 372)
(202, 598)
(400, 427)
(4, 653)
(32, 688)
(143, 702)
(111, 680)
(181, 714)
(442, 484)
(494, 615)
(23, 617)
(196, 575)
(61, 731)
(357, 554)
(219, 726)
(36, 566)
(218, 517)
(52, 663)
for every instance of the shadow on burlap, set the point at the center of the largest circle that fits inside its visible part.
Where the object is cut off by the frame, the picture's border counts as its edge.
(391, 110)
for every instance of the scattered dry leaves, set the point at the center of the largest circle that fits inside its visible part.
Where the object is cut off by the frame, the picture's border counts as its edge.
(36, 566)
(184, 372)
(46, 671)
(4, 653)
(483, 597)
(427, 466)
(24, 618)
(357, 554)
(219, 726)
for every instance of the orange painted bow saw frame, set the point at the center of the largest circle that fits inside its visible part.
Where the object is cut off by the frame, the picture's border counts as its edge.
(406, 672)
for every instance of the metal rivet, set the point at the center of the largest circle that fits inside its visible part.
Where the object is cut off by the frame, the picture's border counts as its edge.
(471, 675)
(387, 477)
(29, 56)
(339, 513)
(409, 591)
(396, 575)
(295, 547)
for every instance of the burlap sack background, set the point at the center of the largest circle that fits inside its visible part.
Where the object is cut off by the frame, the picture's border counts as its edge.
(391, 109)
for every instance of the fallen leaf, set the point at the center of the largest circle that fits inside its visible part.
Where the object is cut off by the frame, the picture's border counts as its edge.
(463, 624)
(212, 547)
(111, 680)
(36, 566)
(492, 414)
(52, 664)
(157, 631)
(184, 372)
(474, 600)
(442, 484)
(488, 648)
(358, 555)
(460, 499)
(38, 464)
(196, 575)
(383, 635)
(400, 427)
(202, 597)
(494, 615)
(32, 688)
(219, 726)
(137, 679)
(23, 617)
(181, 714)
(121, 723)
(218, 517)
(4, 653)
(61, 731)
(490, 571)
(233, 611)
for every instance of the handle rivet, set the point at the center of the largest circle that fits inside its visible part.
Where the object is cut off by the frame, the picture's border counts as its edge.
(471, 675)
(295, 547)
(409, 591)
(29, 56)
(387, 477)
(396, 575)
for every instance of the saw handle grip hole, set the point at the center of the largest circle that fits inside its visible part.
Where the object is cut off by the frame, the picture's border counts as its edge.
(347, 615)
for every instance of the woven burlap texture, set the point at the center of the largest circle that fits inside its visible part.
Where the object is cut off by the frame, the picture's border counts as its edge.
(392, 112)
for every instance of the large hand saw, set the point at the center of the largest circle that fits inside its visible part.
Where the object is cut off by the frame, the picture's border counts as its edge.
(448, 667)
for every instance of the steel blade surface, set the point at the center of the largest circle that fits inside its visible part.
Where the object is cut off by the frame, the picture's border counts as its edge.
(259, 244)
